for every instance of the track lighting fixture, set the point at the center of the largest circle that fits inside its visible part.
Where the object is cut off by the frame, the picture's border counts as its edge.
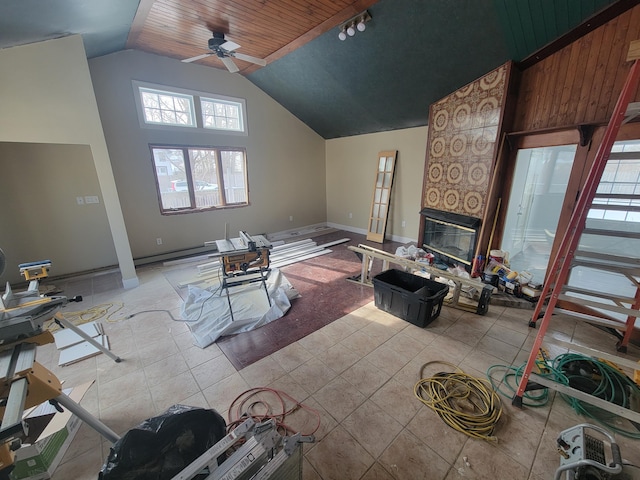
(358, 23)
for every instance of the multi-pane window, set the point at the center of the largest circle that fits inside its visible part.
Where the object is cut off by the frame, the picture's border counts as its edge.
(618, 194)
(166, 108)
(183, 108)
(221, 115)
(200, 178)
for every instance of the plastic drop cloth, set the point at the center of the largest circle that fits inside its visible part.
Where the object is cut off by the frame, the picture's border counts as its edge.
(208, 315)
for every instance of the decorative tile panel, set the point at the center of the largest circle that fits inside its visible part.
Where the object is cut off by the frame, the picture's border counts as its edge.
(463, 132)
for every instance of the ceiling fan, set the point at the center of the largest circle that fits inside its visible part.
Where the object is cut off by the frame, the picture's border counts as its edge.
(225, 51)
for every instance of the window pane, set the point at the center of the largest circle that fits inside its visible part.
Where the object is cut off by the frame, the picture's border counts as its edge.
(167, 108)
(205, 177)
(234, 176)
(170, 175)
(222, 115)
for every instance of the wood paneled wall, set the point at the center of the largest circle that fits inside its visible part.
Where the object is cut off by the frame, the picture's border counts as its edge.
(579, 84)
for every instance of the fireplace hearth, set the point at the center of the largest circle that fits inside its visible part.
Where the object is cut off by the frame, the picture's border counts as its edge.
(450, 237)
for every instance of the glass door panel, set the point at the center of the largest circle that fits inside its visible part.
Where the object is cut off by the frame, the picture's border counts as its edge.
(615, 220)
(537, 194)
(381, 196)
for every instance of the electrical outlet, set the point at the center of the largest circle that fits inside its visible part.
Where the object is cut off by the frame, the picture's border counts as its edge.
(350, 215)
(158, 241)
(291, 218)
(91, 199)
(404, 224)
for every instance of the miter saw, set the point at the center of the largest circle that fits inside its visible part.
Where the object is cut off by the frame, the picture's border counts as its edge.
(25, 383)
(23, 314)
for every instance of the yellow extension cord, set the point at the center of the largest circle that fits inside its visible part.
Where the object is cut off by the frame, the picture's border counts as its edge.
(89, 315)
(465, 403)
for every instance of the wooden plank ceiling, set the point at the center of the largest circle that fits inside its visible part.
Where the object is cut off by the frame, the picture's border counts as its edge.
(181, 29)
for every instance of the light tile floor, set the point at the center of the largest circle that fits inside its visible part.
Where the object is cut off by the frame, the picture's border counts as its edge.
(358, 371)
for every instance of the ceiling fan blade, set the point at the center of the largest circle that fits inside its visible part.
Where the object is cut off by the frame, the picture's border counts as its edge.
(249, 58)
(229, 46)
(232, 67)
(198, 57)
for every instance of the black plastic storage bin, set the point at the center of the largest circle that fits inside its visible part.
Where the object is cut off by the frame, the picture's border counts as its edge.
(416, 299)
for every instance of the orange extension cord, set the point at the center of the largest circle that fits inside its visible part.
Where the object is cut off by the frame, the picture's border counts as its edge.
(249, 402)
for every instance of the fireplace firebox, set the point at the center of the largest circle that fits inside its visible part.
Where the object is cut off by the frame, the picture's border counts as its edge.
(450, 237)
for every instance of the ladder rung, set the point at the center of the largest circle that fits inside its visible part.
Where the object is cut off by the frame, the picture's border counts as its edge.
(617, 196)
(618, 208)
(580, 395)
(630, 312)
(620, 361)
(603, 322)
(608, 296)
(608, 267)
(608, 257)
(624, 156)
(610, 233)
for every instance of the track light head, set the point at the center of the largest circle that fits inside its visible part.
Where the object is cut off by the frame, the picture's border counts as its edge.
(357, 23)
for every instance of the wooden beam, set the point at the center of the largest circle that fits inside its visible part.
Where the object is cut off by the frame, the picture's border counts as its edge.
(589, 25)
(138, 22)
(352, 10)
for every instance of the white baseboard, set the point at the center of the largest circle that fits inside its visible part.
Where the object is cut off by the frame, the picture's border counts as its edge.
(130, 282)
(362, 231)
(309, 230)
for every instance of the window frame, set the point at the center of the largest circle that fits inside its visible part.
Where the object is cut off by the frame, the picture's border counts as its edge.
(196, 98)
(193, 208)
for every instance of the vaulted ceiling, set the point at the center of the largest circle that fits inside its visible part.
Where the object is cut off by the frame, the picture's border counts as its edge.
(412, 52)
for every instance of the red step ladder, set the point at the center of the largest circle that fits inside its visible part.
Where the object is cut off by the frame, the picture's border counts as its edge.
(568, 255)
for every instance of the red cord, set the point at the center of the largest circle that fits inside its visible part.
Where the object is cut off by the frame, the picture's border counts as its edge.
(242, 410)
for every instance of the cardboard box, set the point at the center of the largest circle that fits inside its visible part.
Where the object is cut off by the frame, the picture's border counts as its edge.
(50, 434)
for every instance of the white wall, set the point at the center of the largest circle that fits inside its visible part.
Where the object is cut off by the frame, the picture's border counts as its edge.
(47, 97)
(351, 169)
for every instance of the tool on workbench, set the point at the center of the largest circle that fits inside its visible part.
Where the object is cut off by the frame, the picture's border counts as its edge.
(244, 260)
(25, 383)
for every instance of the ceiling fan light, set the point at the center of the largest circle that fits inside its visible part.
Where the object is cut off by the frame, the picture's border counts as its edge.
(342, 36)
(361, 25)
(351, 31)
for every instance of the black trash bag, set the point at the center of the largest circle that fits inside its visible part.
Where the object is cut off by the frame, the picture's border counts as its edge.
(161, 447)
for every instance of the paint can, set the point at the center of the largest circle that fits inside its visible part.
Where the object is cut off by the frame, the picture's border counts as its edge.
(497, 255)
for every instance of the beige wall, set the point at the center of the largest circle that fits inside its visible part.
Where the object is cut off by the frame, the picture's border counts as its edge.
(286, 159)
(351, 169)
(39, 186)
(47, 97)
(87, 118)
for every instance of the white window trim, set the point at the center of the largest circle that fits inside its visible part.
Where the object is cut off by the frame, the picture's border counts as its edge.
(197, 109)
